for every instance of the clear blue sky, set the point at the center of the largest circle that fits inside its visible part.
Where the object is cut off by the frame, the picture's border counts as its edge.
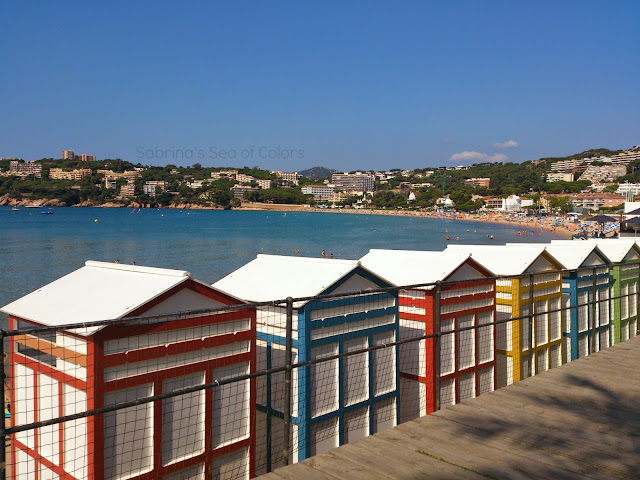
(356, 85)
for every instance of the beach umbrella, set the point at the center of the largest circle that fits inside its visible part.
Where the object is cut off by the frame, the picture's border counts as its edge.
(602, 219)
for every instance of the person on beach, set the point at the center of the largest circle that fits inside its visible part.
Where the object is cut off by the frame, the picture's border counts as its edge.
(323, 255)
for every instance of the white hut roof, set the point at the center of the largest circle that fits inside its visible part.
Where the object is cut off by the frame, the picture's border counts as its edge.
(275, 277)
(412, 267)
(97, 291)
(571, 256)
(504, 259)
(615, 249)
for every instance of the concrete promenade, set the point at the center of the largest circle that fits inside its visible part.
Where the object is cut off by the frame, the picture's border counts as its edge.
(580, 420)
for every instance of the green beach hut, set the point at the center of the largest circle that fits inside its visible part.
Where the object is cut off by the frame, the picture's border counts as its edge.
(625, 277)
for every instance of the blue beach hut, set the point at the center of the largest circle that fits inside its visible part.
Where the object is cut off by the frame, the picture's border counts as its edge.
(584, 330)
(336, 401)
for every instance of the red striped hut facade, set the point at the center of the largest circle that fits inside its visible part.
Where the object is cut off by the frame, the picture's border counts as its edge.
(466, 299)
(205, 434)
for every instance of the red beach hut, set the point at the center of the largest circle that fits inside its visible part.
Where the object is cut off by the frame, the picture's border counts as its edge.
(205, 434)
(467, 359)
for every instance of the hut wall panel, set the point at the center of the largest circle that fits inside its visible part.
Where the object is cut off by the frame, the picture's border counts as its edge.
(174, 361)
(75, 449)
(355, 374)
(128, 435)
(384, 415)
(137, 342)
(384, 364)
(25, 466)
(356, 424)
(324, 378)
(413, 355)
(24, 404)
(413, 397)
(183, 419)
(324, 436)
(351, 327)
(193, 473)
(273, 321)
(72, 343)
(48, 408)
(233, 466)
(231, 405)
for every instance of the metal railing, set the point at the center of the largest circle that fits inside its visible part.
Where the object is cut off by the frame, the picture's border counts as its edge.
(161, 395)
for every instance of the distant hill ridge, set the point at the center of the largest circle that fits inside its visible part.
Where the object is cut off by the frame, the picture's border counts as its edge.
(316, 173)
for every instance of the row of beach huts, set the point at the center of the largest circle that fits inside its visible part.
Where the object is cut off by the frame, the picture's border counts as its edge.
(236, 430)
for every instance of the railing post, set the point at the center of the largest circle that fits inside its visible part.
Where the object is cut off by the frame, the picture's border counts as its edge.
(637, 298)
(594, 300)
(3, 434)
(438, 345)
(531, 320)
(288, 358)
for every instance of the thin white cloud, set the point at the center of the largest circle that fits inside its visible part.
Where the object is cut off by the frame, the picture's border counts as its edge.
(507, 144)
(468, 157)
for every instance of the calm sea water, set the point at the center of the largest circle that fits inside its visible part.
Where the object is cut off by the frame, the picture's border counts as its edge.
(36, 249)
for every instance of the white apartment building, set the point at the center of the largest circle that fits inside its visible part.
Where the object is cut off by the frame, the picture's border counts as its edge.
(24, 169)
(628, 188)
(291, 177)
(321, 193)
(264, 184)
(242, 178)
(76, 174)
(559, 177)
(604, 173)
(153, 186)
(353, 181)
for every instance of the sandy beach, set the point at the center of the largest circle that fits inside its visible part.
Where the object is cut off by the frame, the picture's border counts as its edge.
(528, 224)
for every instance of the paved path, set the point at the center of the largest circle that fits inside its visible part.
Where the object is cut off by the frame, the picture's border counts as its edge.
(581, 420)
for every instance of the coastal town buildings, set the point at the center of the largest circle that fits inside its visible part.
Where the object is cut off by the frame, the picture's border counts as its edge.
(240, 190)
(152, 187)
(512, 203)
(242, 178)
(559, 177)
(70, 371)
(353, 181)
(603, 173)
(128, 190)
(289, 177)
(25, 169)
(321, 193)
(128, 175)
(75, 174)
(264, 184)
(478, 182)
(70, 155)
(589, 201)
(627, 189)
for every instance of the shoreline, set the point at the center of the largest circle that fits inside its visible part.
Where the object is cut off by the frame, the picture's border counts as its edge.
(528, 224)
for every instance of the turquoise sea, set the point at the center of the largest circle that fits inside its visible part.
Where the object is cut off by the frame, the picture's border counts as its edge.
(36, 249)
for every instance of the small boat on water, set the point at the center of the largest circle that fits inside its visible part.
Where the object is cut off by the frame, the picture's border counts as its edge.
(46, 212)
(35, 205)
(15, 209)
